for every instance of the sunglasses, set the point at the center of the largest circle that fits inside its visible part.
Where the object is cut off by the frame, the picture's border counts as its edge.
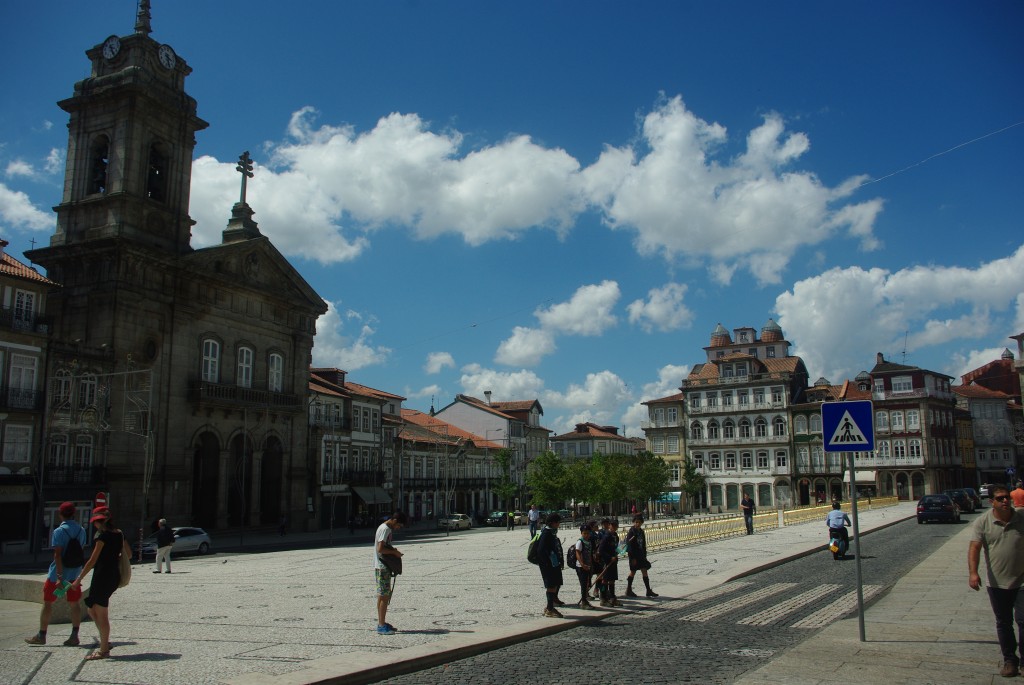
(1002, 498)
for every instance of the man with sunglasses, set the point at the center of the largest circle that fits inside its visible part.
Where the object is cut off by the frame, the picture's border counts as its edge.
(1001, 535)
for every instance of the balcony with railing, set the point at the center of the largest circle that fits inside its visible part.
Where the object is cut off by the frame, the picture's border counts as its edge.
(331, 423)
(13, 320)
(735, 380)
(750, 442)
(88, 475)
(915, 393)
(662, 423)
(23, 400)
(736, 408)
(235, 396)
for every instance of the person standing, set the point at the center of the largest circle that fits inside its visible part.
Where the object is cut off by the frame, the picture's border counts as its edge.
(534, 519)
(107, 548)
(511, 520)
(1017, 495)
(749, 509)
(1001, 535)
(608, 554)
(164, 543)
(382, 547)
(549, 554)
(584, 565)
(636, 544)
(60, 573)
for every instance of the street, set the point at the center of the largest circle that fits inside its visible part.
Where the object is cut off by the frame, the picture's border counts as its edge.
(714, 636)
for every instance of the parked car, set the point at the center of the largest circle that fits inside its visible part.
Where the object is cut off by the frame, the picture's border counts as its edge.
(455, 522)
(975, 497)
(495, 518)
(984, 490)
(521, 518)
(937, 508)
(962, 499)
(187, 539)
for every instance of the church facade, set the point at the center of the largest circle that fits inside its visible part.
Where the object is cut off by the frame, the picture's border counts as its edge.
(176, 380)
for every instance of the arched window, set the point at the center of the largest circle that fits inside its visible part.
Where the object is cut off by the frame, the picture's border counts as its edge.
(800, 424)
(729, 429)
(696, 431)
(156, 176)
(779, 426)
(275, 372)
(712, 430)
(744, 428)
(211, 361)
(86, 392)
(761, 428)
(243, 378)
(83, 451)
(99, 159)
(815, 423)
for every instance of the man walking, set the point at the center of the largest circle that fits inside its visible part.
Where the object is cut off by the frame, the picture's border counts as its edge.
(1017, 495)
(381, 548)
(68, 540)
(1001, 535)
(747, 505)
(164, 543)
(534, 519)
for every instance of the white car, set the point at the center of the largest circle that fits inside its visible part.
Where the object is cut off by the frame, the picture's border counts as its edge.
(456, 522)
(186, 539)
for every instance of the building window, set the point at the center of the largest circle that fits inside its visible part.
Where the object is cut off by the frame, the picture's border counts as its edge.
(675, 472)
(83, 452)
(915, 449)
(696, 431)
(815, 423)
(659, 445)
(716, 462)
(800, 424)
(882, 420)
(761, 428)
(747, 460)
(244, 377)
(779, 426)
(726, 399)
(758, 397)
(913, 420)
(86, 392)
(803, 461)
(58, 452)
(769, 352)
(98, 167)
(156, 179)
(672, 445)
(744, 428)
(711, 399)
(899, 449)
(762, 460)
(21, 391)
(672, 415)
(24, 310)
(776, 395)
(375, 416)
(728, 430)
(818, 458)
(695, 401)
(712, 430)
(366, 420)
(743, 397)
(883, 449)
(61, 388)
(902, 384)
(698, 461)
(781, 460)
(730, 461)
(897, 421)
(275, 372)
(17, 444)
(211, 361)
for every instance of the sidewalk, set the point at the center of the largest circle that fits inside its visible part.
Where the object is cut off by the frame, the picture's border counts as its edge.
(929, 629)
(307, 615)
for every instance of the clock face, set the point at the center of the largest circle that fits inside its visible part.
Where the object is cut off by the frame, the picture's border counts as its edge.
(167, 57)
(111, 46)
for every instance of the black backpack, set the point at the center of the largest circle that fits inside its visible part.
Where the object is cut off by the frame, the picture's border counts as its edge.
(73, 556)
(570, 556)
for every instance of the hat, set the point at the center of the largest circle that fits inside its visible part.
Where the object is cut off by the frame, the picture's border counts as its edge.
(102, 516)
(67, 509)
(102, 509)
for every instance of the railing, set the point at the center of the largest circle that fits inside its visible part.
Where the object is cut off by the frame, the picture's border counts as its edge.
(352, 477)
(751, 378)
(235, 395)
(678, 534)
(735, 408)
(662, 423)
(343, 423)
(916, 392)
(24, 322)
(739, 441)
(17, 398)
(93, 475)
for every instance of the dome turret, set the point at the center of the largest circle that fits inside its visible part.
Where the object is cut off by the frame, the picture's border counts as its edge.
(1006, 354)
(772, 332)
(720, 337)
(821, 382)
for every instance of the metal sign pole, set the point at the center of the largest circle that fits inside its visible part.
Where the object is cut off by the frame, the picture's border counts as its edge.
(857, 553)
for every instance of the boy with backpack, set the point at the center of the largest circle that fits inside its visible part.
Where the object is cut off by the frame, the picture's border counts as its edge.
(608, 553)
(580, 557)
(68, 541)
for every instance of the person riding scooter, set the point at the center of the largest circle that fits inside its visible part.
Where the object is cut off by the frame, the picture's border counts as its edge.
(837, 521)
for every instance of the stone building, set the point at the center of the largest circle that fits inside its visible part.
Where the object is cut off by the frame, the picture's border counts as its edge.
(177, 376)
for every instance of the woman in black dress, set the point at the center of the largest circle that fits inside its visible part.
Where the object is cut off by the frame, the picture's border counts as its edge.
(107, 548)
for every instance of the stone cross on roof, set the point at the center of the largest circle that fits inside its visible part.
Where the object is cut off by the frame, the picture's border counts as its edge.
(245, 168)
(142, 24)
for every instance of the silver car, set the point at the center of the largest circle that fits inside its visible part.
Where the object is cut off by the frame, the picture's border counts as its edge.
(456, 522)
(187, 539)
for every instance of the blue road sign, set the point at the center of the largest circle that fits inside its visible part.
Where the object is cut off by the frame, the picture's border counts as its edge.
(848, 426)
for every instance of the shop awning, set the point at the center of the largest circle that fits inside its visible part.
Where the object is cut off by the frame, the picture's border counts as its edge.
(372, 495)
(862, 477)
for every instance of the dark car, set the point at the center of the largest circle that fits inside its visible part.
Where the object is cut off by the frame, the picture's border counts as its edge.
(937, 508)
(496, 518)
(975, 497)
(962, 499)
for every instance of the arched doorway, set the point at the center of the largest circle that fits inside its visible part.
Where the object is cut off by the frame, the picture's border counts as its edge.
(205, 480)
(917, 481)
(805, 492)
(271, 477)
(902, 491)
(783, 493)
(240, 485)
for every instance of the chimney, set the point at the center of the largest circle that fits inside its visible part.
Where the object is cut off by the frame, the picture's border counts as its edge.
(879, 359)
(487, 394)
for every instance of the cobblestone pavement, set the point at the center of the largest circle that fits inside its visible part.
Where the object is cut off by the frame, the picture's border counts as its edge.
(713, 636)
(250, 617)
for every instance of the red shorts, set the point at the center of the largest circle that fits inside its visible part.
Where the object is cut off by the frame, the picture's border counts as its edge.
(73, 594)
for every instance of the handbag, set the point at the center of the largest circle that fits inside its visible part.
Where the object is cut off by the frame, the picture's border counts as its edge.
(125, 564)
(392, 561)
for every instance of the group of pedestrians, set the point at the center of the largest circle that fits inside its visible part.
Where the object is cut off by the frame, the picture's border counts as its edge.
(595, 556)
(69, 568)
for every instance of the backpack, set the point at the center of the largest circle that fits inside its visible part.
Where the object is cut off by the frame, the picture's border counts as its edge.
(531, 550)
(570, 556)
(72, 556)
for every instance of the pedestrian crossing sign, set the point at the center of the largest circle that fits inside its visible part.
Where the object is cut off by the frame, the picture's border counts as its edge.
(847, 426)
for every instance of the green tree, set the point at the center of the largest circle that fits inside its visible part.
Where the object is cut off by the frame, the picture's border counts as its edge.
(505, 487)
(546, 479)
(649, 475)
(693, 483)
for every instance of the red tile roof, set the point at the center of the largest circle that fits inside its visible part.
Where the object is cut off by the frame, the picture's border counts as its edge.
(979, 392)
(678, 397)
(9, 266)
(436, 425)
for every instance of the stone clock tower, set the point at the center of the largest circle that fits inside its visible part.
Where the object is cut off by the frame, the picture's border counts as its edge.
(177, 376)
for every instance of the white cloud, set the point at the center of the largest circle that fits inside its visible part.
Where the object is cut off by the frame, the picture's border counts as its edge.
(752, 212)
(515, 385)
(588, 312)
(17, 210)
(839, 319)
(962, 363)
(332, 348)
(55, 161)
(597, 399)
(670, 377)
(436, 361)
(664, 309)
(432, 391)
(526, 347)
(19, 168)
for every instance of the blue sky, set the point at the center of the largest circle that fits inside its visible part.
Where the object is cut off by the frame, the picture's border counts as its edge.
(561, 200)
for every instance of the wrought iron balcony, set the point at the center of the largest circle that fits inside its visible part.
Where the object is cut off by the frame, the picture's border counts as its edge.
(235, 396)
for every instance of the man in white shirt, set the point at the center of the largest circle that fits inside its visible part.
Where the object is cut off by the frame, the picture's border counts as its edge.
(382, 547)
(534, 518)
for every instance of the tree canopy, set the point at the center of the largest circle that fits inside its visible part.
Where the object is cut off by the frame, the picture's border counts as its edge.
(613, 479)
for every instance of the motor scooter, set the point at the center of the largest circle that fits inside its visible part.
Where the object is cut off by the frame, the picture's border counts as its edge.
(838, 542)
